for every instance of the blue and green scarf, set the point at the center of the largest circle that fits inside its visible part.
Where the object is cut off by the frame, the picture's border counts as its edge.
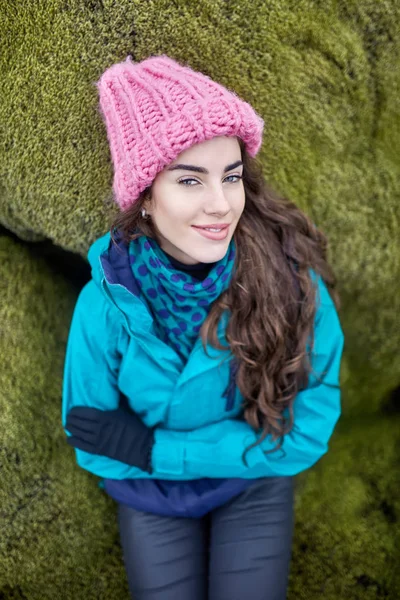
(178, 302)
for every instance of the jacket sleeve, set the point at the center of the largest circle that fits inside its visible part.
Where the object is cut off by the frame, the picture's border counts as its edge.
(91, 369)
(216, 450)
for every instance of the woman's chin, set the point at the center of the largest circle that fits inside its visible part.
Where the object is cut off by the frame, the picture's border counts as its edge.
(209, 255)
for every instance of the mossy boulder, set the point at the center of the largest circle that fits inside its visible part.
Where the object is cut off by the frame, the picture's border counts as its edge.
(347, 507)
(325, 77)
(59, 535)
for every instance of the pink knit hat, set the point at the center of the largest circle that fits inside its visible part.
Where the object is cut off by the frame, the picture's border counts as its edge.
(155, 109)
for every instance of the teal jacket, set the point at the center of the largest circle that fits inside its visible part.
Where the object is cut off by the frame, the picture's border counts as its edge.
(112, 349)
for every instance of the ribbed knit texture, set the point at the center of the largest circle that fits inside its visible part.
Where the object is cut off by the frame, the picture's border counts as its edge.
(155, 109)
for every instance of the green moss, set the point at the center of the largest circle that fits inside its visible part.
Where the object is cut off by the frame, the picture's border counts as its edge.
(59, 536)
(347, 534)
(325, 77)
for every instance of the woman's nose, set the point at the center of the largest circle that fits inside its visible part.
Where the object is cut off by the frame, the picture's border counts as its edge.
(218, 201)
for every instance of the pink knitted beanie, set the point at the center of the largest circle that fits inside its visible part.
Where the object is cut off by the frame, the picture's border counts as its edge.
(155, 109)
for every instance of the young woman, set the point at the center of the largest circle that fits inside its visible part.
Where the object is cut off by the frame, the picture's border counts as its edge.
(209, 330)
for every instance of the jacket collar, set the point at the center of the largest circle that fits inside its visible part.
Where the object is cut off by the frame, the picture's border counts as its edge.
(112, 272)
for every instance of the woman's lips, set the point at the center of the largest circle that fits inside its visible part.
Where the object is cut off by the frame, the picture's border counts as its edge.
(212, 235)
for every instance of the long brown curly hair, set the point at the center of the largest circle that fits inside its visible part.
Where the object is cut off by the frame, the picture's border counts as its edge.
(271, 298)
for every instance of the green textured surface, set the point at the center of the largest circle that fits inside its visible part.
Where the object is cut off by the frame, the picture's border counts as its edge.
(325, 77)
(347, 534)
(59, 537)
(59, 530)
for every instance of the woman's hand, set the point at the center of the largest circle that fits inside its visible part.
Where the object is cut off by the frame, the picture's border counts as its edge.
(118, 434)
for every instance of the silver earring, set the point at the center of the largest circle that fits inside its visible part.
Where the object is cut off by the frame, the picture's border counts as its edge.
(144, 213)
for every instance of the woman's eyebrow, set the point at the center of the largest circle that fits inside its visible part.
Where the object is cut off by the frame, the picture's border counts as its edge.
(202, 169)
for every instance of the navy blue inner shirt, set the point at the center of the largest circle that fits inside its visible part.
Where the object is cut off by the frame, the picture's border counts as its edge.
(199, 270)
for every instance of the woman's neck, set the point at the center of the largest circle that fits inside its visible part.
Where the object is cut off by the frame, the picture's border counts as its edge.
(199, 270)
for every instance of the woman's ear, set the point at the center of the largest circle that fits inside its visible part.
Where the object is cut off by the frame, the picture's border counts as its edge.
(148, 204)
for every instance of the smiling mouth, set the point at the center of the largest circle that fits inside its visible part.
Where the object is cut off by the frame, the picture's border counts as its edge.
(212, 228)
(212, 234)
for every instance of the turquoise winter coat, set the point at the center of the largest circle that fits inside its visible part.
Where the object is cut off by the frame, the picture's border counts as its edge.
(112, 349)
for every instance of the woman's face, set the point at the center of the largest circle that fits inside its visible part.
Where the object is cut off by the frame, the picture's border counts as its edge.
(201, 187)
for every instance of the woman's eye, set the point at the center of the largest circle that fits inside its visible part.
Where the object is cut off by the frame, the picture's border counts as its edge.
(238, 177)
(184, 181)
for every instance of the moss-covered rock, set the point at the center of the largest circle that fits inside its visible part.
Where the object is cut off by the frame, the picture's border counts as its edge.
(59, 535)
(347, 507)
(325, 77)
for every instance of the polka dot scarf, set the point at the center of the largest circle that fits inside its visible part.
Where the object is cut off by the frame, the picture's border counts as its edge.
(178, 302)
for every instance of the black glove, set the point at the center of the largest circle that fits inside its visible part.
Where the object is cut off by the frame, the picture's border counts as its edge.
(118, 434)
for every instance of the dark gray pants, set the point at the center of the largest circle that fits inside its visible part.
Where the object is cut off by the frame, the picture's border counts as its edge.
(238, 551)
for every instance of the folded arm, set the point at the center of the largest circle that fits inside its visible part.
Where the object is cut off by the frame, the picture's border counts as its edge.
(216, 450)
(91, 374)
